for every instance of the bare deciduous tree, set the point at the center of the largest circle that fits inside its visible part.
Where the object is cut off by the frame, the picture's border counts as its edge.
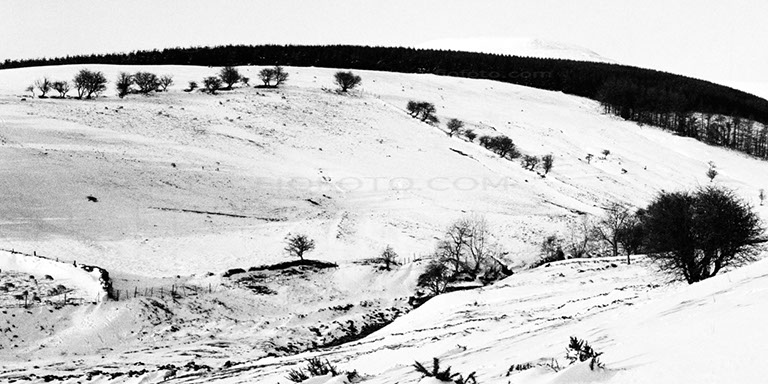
(62, 87)
(166, 81)
(44, 85)
(454, 126)
(547, 161)
(609, 227)
(346, 80)
(298, 245)
(230, 76)
(146, 81)
(123, 84)
(388, 257)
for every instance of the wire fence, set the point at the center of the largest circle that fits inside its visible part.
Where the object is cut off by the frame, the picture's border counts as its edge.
(173, 292)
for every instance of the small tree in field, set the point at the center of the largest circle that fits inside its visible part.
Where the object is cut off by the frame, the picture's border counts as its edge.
(191, 86)
(44, 85)
(547, 161)
(298, 245)
(89, 83)
(454, 126)
(267, 76)
(712, 171)
(212, 84)
(146, 81)
(696, 235)
(166, 81)
(123, 84)
(609, 227)
(388, 257)
(470, 135)
(530, 162)
(435, 277)
(229, 76)
(62, 87)
(281, 76)
(346, 80)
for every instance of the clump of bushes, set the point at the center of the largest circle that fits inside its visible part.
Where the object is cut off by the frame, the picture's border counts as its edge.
(444, 375)
(270, 75)
(89, 83)
(422, 110)
(579, 351)
(500, 145)
(315, 367)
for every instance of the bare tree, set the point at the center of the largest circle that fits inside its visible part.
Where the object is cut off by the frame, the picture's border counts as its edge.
(547, 161)
(44, 85)
(435, 277)
(761, 195)
(480, 245)
(212, 84)
(281, 76)
(530, 162)
(609, 227)
(229, 75)
(346, 80)
(452, 249)
(89, 83)
(166, 81)
(470, 135)
(389, 257)
(123, 84)
(454, 126)
(298, 245)
(580, 241)
(62, 87)
(146, 81)
(267, 76)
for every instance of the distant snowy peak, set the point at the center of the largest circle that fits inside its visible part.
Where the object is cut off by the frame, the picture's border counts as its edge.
(530, 47)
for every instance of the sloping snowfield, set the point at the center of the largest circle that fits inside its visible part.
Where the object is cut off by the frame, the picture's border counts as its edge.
(190, 183)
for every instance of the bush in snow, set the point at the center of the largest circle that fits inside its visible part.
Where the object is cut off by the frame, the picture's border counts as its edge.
(44, 85)
(315, 367)
(123, 84)
(551, 250)
(89, 83)
(454, 126)
(165, 82)
(696, 235)
(423, 111)
(435, 277)
(712, 171)
(580, 351)
(501, 145)
(212, 84)
(298, 245)
(530, 162)
(62, 87)
(229, 75)
(276, 74)
(470, 134)
(547, 161)
(346, 80)
(191, 87)
(388, 257)
(146, 81)
(444, 375)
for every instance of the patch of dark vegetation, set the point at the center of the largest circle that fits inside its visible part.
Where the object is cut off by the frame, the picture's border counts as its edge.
(271, 219)
(444, 375)
(233, 271)
(311, 264)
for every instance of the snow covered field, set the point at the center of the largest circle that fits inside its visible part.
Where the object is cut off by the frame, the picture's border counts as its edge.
(190, 183)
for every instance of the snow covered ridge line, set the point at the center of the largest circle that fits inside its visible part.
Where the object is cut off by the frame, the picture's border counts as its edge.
(91, 283)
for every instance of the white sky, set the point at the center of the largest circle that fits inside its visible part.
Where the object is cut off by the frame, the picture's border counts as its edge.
(717, 40)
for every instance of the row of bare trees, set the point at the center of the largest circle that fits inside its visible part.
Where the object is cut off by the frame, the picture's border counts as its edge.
(87, 84)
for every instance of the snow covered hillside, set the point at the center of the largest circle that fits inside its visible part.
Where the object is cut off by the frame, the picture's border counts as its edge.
(353, 172)
(175, 188)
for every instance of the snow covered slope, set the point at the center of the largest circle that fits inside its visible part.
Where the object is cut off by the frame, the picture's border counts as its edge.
(190, 183)
(531, 47)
